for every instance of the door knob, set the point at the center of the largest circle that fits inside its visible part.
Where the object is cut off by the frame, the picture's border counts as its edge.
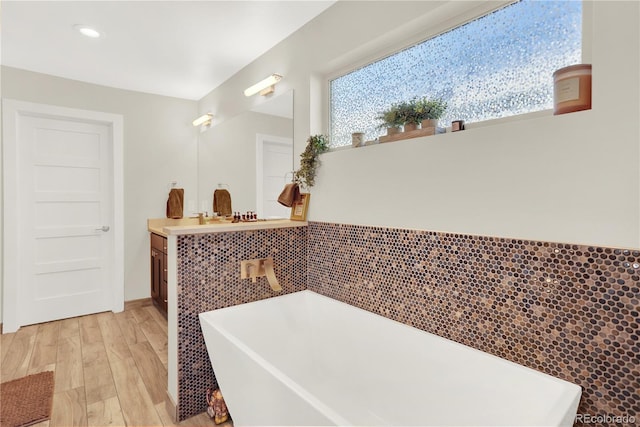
(104, 228)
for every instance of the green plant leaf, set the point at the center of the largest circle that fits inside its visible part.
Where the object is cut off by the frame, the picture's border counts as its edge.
(309, 162)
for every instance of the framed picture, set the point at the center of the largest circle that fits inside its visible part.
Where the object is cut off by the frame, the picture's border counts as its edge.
(299, 209)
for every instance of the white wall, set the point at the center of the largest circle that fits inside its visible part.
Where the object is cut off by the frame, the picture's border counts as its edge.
(573, 178)
(160, 146)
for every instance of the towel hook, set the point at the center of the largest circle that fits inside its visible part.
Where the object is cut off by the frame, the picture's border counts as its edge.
(293, 176)
(220, 185)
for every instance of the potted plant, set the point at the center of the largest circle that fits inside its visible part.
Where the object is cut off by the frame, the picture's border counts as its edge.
(428, 111)
(411, 114)
(309, 162)
(391, 119)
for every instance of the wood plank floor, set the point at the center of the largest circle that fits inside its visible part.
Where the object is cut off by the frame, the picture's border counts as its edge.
(110, 369)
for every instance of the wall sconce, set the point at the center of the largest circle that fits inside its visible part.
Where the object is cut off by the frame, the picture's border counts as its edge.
(204, 119)
(265, 87)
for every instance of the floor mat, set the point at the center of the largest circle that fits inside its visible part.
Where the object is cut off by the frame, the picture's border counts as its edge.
(27, 400)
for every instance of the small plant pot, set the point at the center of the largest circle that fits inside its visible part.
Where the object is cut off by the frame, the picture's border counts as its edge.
(410, 126)
(357, 139)
(429, 123)
(393, 131)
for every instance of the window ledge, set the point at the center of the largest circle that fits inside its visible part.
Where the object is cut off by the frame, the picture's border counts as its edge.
(468, 126)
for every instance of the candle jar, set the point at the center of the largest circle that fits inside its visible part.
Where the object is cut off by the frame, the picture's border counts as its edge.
(572, 89)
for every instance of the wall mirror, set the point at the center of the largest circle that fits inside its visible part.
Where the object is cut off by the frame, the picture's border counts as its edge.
(250, 155)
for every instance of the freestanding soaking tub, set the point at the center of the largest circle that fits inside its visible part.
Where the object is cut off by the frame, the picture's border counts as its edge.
(306, 359)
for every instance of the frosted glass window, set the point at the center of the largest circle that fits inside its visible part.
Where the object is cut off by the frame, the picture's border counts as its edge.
(496, 66)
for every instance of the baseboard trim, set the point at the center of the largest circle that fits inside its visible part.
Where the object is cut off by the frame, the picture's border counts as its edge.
(137, 303)
(171, 408)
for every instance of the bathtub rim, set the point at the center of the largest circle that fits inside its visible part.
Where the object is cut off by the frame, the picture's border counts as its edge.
(569, 397)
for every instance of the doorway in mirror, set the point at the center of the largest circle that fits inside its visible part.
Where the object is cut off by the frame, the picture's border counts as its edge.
(273, 160)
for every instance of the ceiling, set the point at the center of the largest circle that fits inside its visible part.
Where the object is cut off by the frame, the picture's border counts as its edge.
(176, 48)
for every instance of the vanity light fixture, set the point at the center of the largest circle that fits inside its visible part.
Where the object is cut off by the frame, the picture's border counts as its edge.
(265, 86)
(204, 119)
(87, 31)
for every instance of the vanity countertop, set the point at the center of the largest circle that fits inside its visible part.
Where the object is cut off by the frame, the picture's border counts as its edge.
(157, 225)
(168, 226)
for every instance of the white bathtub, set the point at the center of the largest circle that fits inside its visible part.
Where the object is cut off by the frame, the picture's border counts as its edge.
(305, 359)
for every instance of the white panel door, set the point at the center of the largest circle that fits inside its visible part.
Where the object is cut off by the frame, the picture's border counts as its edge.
(277, 159)
(65, 218)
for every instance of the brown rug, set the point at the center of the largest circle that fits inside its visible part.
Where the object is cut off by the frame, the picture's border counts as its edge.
(27, 400)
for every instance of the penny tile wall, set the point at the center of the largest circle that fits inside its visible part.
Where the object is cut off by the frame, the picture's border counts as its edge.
(208, 271)
(570, 311)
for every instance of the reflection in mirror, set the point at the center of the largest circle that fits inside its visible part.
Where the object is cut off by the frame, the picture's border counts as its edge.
(250, 155)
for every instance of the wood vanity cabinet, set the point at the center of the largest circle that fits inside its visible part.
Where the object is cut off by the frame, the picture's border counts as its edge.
(159, 271)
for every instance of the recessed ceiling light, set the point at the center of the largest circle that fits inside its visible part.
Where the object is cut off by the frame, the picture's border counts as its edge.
(87, 31)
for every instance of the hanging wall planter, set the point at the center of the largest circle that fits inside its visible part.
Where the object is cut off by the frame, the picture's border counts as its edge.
(309, 162)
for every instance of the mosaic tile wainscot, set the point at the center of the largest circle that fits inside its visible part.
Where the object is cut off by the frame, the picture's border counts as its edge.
(209, 278)
(568, 310)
